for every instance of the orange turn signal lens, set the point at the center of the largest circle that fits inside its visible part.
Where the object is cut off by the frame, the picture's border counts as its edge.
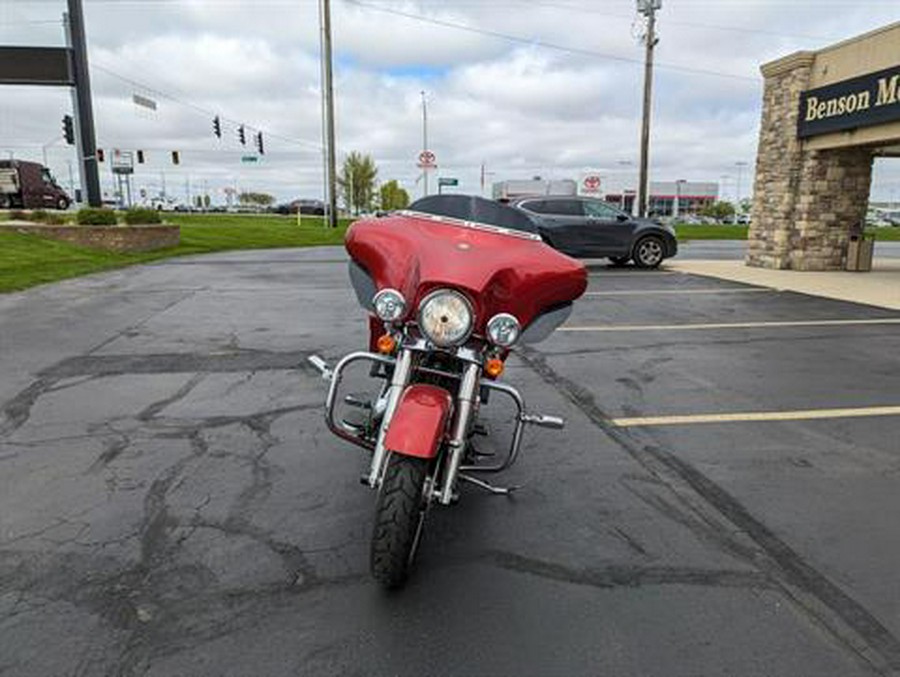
(493, 367)
(386, 344)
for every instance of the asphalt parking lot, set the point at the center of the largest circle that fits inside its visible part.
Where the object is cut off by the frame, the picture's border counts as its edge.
(722, 501)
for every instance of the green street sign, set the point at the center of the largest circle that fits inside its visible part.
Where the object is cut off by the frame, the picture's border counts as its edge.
(249, 158)
(448, 182)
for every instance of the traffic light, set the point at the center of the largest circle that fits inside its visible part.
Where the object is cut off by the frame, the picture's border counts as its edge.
(217, 127)
(140, 157)
(69, 130)
(241, 136)
(176, 158)
(100, 156)
(259, 143)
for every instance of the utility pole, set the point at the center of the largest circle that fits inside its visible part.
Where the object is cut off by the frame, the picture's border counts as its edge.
(425, 138)
(331, 169)
(84, 112)
(647, 8)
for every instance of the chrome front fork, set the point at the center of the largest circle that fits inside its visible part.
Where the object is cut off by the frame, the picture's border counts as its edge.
(399, 380)
(456, 447)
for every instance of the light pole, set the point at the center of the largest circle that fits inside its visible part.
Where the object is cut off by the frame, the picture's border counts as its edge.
(740, 167)
(626, 163)
(425, 138)
(723, 185)
(677, 207)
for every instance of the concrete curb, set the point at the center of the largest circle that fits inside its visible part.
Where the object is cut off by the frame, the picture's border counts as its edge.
(880, 288)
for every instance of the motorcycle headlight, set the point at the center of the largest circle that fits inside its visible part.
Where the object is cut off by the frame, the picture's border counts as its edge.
(503, 330)
(445, 317)
(389, 305)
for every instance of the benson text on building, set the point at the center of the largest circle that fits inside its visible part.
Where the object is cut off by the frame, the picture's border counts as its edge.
(864, 101)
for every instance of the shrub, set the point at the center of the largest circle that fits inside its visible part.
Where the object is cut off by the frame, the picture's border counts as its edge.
(18, 215)
(39, 215)
(142, 217)
(55, 220)
(96, 217)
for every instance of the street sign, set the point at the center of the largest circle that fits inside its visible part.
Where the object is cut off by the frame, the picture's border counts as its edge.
(427, 160)
(590, 184)
(122, 162)
(36, 66)
(446, 181)
(143, 101)
(249, 158)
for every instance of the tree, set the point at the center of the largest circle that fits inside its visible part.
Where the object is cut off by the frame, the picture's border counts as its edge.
(259, 199)
(357, 182)
(718, 210)
(392, 196)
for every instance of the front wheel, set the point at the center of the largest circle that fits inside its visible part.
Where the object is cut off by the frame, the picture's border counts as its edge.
(399, 518)
(649, 252)
(62, 204)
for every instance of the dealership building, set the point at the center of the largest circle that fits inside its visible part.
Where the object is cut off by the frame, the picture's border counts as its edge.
(826, 116)
(667, 198)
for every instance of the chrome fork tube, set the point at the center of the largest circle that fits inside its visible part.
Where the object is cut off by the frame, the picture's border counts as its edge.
(402, 370)
(465, 406)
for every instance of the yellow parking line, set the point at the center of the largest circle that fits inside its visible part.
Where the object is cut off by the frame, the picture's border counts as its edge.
(728, 325)
(799, 415)
(656, 292)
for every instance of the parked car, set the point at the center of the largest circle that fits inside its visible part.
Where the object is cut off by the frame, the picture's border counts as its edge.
(585, 227)
(30, 185)
(314, 207)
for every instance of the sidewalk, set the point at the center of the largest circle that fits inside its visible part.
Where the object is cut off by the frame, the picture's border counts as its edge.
(881, 287)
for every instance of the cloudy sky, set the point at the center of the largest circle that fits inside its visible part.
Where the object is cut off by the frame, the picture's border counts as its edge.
(525, 87)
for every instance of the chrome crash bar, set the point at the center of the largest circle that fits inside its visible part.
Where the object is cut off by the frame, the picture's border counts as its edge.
(334, 377)
(522, 419)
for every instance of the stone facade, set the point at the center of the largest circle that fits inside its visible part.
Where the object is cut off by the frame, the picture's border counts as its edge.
(805, 201)
(109, 238)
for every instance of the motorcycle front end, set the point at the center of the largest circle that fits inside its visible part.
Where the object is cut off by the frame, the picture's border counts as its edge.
(447, 298)
(436, 378)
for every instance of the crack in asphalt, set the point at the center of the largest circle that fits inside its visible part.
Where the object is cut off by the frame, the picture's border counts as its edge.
(17, 410)
(234, 360)
(619, 576)
(688, 343)
(782, 563)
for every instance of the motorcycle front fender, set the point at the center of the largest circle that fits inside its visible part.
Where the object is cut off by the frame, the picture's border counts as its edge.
(419, 424)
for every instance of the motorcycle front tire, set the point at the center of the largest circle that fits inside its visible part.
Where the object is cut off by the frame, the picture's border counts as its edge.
(399, 517)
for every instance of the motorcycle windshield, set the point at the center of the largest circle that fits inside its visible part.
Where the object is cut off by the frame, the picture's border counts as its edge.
(500, 269)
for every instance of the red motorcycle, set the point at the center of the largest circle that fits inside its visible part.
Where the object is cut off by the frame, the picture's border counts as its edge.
(451, 285)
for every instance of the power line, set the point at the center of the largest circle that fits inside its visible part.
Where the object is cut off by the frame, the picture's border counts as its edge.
(540, 43)
(200, 109)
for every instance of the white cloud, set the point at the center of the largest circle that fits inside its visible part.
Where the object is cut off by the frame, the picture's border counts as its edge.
(520, 106)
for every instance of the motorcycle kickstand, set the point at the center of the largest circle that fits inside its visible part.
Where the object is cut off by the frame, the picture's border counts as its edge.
(487, 486)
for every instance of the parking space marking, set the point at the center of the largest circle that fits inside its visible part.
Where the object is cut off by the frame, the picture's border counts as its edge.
(655, 292)
(729, 325)
(757, 416)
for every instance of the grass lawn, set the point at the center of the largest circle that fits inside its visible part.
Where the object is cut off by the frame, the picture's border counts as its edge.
(28, 260)
(723, 232)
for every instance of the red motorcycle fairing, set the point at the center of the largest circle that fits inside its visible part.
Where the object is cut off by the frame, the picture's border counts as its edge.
(419, 422)
(499, 272)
